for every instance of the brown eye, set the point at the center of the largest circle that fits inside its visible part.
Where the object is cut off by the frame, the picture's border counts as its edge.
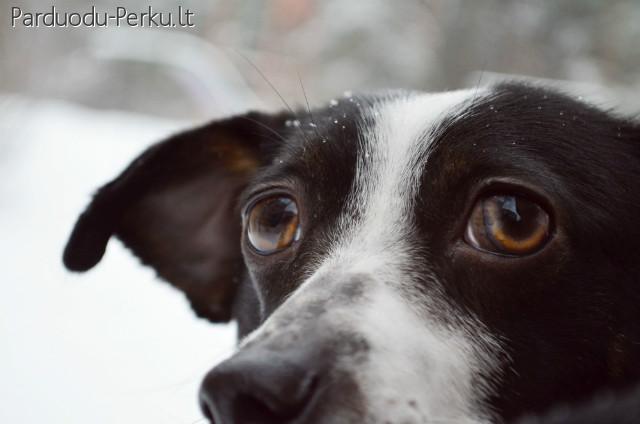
(508, 225)
(273, 224)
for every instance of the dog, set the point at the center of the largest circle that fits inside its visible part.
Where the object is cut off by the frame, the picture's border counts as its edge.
(469, 256)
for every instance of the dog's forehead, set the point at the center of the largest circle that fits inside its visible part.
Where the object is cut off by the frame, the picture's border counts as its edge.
(392, 139)
(341, 152)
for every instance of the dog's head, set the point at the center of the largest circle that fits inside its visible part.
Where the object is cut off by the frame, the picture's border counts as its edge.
(404, 258)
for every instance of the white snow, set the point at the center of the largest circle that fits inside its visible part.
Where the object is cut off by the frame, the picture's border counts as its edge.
(113, 345)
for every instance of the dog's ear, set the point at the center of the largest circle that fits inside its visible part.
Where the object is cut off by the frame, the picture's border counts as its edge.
(175, 208)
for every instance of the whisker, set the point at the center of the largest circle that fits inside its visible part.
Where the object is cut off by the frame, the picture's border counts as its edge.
(477, 87)
(306, 100)
(264, 77)
(266, 127)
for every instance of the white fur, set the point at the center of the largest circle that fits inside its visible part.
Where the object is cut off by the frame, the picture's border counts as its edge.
(419, 361)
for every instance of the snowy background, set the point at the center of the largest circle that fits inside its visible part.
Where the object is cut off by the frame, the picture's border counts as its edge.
(117, 346)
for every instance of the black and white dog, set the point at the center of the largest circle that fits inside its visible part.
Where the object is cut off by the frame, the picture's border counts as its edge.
(463, 257)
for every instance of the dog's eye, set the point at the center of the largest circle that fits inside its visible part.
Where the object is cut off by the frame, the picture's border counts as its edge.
(273, 224)
(508, 225)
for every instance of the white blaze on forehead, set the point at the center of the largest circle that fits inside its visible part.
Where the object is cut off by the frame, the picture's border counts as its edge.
(401, 135)
(390, 165)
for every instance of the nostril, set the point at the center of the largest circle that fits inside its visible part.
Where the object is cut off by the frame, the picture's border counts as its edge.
(272, 405)
(285, 401)
(247, 409)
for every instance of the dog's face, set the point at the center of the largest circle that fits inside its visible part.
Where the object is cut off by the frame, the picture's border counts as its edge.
(459, 257)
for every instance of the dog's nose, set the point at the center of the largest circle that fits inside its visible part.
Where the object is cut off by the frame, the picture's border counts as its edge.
(259, 387)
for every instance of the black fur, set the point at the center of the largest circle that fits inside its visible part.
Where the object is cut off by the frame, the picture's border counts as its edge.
(570, 312)
(606, 408)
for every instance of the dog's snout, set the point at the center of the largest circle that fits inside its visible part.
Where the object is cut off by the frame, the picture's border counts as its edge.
(259, 387)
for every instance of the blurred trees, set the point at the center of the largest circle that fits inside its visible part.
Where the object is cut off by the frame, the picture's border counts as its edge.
(333, 45)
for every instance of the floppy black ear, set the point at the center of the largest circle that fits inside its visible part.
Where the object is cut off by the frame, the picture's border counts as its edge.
(175, 207)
